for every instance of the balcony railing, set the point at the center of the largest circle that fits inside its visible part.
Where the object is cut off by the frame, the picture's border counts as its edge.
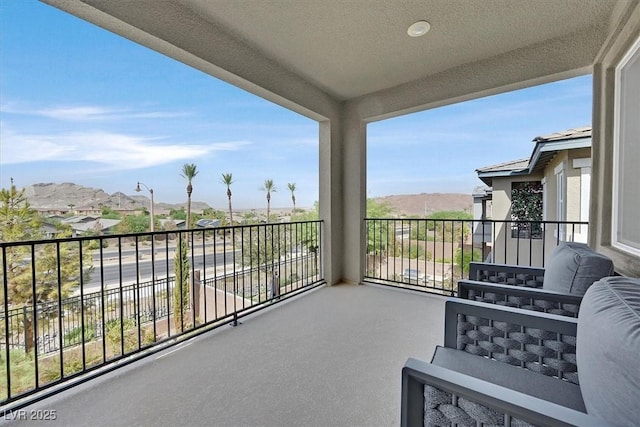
(433, 254)
(71, 306)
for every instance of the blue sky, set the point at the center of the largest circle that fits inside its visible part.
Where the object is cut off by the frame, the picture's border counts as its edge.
(439, 150)
(79, 104)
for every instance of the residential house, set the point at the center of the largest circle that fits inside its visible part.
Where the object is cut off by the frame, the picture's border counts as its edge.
(129, 211)
(88, 210)
(207, 223)
(559, 172)
(482, 210)
(49, 229)
(84, 224)
(52, 211)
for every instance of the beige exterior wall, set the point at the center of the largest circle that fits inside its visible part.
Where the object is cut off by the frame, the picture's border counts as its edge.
(551, 187)
(579, 192)
(509, 250)
(573, 187)
(604, 124)
(576, 188)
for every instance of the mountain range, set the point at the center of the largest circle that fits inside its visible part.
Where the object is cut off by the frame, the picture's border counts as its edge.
(54, 196)
(61, 196)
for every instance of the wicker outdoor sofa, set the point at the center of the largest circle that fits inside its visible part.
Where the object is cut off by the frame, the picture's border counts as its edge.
(507, 366)
(556, 289)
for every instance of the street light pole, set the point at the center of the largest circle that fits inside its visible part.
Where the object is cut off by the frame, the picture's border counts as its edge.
(138, 189)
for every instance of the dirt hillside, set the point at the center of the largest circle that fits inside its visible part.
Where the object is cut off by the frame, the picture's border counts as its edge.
(418, 204)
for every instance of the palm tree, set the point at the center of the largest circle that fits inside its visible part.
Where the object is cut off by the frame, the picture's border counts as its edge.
(292, 188)
(227, 179)
(189, 171)
(268, 187)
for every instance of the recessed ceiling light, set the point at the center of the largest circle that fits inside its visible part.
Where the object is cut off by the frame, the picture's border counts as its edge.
(419, 28)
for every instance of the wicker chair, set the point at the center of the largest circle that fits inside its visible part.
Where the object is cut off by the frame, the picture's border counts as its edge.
(506, 366)
(558, 289)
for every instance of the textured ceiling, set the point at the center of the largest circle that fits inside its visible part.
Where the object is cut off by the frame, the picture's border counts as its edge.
(351, 48)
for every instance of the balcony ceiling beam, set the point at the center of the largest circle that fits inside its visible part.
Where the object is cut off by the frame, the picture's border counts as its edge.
(309, 56)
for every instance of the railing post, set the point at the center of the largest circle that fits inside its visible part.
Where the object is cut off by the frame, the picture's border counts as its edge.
(235, 297)
(195, 295)
(25, 328)
(275, 285)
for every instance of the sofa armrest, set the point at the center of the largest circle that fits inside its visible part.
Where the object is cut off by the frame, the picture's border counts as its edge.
(521, 297)
(528, 319)
(416, 374)
(540, 342)
(514, 275)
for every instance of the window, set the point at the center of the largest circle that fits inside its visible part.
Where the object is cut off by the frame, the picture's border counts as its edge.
(585, 194)
(626, 197)
(526, 209)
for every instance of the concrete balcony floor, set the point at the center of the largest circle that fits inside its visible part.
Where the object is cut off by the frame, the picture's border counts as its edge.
(330, 357)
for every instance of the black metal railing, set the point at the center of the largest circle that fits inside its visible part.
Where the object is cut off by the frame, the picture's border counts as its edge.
(70, 306)
(433, 254)
(72, 314)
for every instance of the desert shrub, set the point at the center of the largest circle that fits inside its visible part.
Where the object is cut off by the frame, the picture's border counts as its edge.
(74, 336)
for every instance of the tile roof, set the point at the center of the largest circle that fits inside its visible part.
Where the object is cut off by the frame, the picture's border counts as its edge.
(208, 223)
(511, 165)
(521, 164)
(581, 132)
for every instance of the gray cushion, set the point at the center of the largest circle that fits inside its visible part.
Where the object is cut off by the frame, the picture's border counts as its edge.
(519, 379)
(608, 350)
(574, 267)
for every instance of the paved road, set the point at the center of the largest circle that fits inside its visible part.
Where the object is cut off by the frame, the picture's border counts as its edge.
(131, 270)
(110, 253)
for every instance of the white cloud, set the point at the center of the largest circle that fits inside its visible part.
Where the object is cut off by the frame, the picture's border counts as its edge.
(83, 113)
(118, 151)
(75, 113)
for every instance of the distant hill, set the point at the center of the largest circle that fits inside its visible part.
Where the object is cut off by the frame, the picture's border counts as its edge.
(60, 196)
(417, 204)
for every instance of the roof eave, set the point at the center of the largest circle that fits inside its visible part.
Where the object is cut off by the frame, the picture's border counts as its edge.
(555, 146)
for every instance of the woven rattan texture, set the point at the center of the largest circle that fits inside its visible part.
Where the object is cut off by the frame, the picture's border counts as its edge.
(509, 278)
(546, 305)
(541, 351)
(446, 409)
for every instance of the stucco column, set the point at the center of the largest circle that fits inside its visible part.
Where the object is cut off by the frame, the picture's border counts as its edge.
(343, 195)
(331, 198)
(354, 166)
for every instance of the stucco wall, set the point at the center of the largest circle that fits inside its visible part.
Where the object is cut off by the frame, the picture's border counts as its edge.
(573, 185)
(509, 250)
(604, 123)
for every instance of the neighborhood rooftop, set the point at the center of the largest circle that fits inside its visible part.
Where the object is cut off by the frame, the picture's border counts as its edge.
(546, 147)
(581, 132)
(511, 165)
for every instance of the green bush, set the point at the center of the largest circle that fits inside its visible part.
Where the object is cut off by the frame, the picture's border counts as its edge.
(114, 335)
(442, 226)
(463, 260)
(416, 251)
(95, 244)
(74, 335)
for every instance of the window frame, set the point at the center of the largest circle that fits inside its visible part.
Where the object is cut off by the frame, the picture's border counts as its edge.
(633, 53)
